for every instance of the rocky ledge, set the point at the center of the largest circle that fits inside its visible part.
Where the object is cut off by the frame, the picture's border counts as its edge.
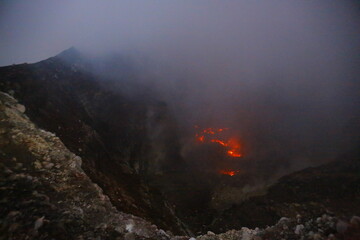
(45, 194)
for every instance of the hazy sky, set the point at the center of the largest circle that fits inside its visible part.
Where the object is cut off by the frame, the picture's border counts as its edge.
(33, 30)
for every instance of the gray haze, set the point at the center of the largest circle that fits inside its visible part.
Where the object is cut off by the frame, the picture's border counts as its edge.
(282, 74)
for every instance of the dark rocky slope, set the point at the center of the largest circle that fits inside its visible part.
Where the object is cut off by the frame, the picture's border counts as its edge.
(109, 131)
(129, 148)
(330, 188)
(45, 194)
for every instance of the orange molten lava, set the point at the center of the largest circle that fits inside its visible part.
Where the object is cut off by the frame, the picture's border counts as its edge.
(201, 138)
(232, 145)
(229, 172)
(219, 142)
(215, 135)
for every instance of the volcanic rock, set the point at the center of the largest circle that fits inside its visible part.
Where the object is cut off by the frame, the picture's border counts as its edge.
(44, 202)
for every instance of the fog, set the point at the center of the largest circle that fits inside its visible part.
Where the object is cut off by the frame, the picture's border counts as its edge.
(282, 74)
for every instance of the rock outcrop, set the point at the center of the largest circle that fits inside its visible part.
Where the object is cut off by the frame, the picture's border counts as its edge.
(110, 131)
(332, 187)
(44, 192)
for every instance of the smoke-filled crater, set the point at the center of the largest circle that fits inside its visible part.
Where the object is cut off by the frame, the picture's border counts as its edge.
(207, 118)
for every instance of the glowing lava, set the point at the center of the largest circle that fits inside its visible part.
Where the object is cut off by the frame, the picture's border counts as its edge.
(216, 135)
(229, 172)
(219, 142)
(234, 154)
(232, 145)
